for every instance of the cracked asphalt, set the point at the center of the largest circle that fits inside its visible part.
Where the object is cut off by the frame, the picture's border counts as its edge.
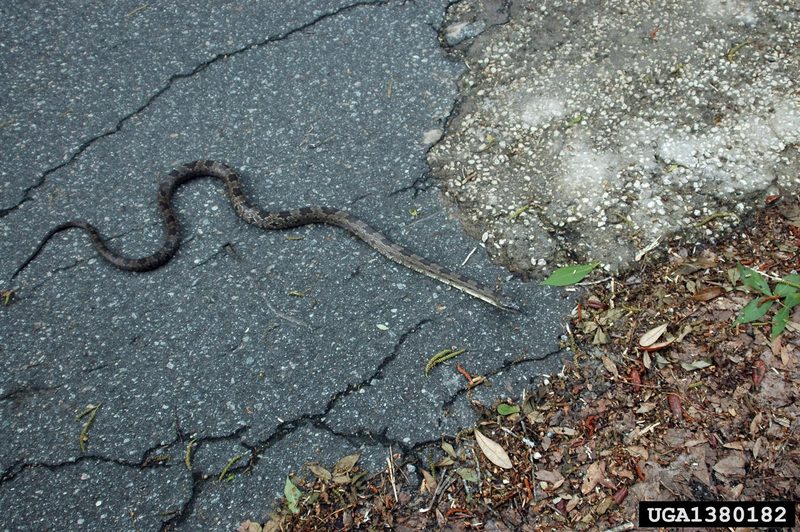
(259, 351)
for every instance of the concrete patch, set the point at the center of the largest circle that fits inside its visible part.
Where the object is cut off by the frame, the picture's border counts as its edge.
(607, 125)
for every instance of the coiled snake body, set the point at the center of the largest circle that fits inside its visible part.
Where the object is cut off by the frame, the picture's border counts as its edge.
(266, 220)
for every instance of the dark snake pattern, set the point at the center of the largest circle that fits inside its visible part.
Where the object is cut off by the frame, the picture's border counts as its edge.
(266, 220)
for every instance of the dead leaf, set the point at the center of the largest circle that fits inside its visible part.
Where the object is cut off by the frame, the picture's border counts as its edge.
(646, 360)
(610, 366)
(620, 495)
(757, 446)
(755, 425)
(635, 378)
(645, 408)
(320, 472)
(249, 526)
(429, 483)
(731, 466)
(448, 448)
(675, 405)
(553, 477)
(658, 346)
(638, 451)
(594, 474)
(600, 337)
(759, 370)
(345, 465)
(651, 336)
(737, 445)
(697, 364)
(493, 450)
(694, 443)
(468, 474)
(708, 293)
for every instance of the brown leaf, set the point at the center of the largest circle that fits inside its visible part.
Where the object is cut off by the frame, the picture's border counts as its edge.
(553, 477)
(610, 366)
(731, 466)
(320, 472)
(249, 526)
(759, 370)
(755, 425)
(757, 446)
(620, 495)
(594, 474)
(651, 336)
(635, 378)
(675, 406)
(493, 450)
(346, 464)
(594, 303)
(429, 483)
(658, 346)
(638, 451)
(708, 293)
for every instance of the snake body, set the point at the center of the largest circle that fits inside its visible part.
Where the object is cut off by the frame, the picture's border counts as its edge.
(266, 220)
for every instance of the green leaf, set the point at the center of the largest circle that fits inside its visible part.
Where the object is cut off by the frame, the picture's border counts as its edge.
(754, 311)
(697, 364)
(782, 316)
(292, 494)
(506, 410)
(779, 322)
(753, 279)
(468, 474)
(783, 290)
(570, 274)
(792, 300)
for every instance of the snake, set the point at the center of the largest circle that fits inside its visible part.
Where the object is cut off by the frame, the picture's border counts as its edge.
(269, 220)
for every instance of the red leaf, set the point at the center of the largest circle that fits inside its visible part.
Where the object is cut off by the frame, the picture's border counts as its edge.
(620, 495)
(759, 370)
(635, 379)
(707, 294)
(561, 506)
(640, 472)
(591, 424)
(675, 405)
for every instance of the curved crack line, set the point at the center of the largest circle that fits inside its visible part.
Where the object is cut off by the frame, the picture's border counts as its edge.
(28, 191)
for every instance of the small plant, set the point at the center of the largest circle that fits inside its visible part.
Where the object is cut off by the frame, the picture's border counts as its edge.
(786, 292)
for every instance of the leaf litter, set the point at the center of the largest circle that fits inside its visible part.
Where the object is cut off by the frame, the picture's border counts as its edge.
(680, 399)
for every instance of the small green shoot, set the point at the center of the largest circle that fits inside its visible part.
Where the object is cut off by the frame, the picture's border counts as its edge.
(91, 412)
(787, 292)
(506, 410)
(514, 215)
(292, 494)
(7, 295)
(730, 55)
(575, 120)
(187, 459)
(440, 357)
(225, 470)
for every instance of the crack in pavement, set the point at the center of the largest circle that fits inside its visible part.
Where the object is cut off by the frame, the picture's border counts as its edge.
(27, 193)
(286, 428)
(21, 393)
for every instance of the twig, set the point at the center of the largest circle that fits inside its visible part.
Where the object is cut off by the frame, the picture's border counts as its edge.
(390, 463)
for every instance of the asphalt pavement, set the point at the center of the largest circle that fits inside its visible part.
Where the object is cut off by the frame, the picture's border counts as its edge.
(255, 351)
